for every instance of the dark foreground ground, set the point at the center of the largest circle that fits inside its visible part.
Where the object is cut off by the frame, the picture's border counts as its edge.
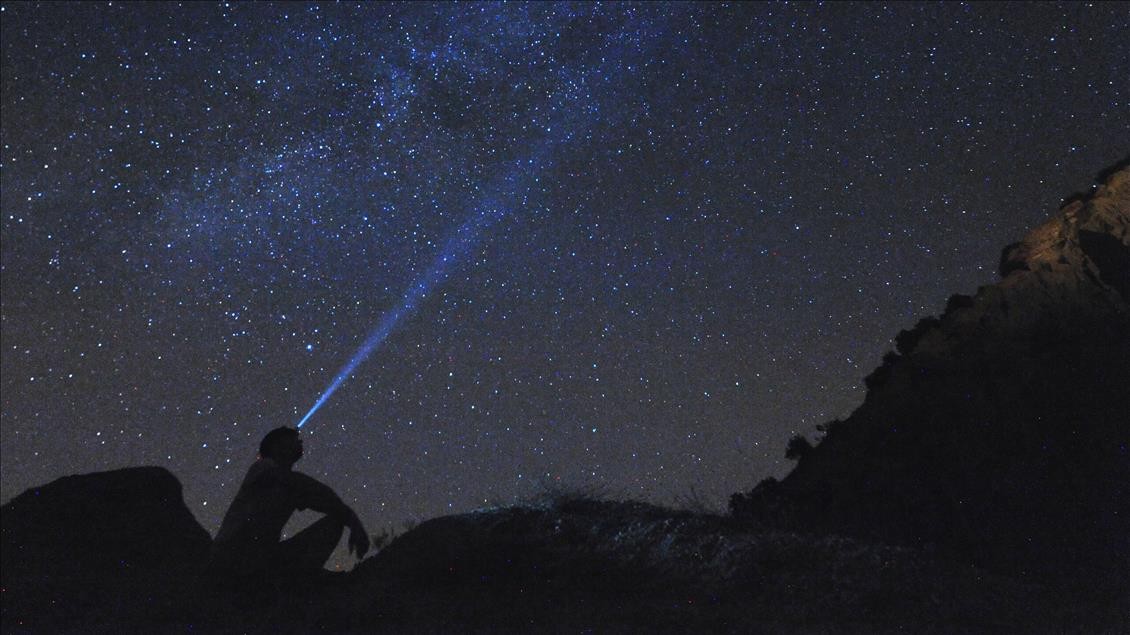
(568, 564)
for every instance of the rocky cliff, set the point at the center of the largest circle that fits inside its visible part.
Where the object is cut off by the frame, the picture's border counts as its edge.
(1000, 430)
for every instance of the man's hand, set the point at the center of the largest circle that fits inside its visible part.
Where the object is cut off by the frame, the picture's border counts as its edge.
(358, 539)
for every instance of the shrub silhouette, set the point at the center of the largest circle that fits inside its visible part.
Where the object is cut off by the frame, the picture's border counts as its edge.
(880, 375)
(958, 301)
(907, 339)
(798, 448)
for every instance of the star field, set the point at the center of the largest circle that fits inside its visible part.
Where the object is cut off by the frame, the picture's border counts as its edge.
(694, 229)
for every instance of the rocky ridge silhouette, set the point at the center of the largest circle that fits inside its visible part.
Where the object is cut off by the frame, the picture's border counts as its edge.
(1000, 430)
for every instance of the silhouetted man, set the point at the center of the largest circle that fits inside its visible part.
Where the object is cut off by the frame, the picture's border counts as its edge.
(249, 542)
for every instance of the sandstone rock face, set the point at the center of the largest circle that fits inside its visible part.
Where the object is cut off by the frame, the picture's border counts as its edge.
(87, 552)
(1074, 266)
(1000, 430)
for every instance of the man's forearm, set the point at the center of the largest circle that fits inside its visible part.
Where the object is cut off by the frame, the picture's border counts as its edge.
(354, 521)
(313, 494)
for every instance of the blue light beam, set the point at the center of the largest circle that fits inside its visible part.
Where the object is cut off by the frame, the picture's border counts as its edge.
(461, 241)
(623, 52)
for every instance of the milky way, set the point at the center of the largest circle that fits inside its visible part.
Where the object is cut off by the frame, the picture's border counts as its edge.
(706, 223)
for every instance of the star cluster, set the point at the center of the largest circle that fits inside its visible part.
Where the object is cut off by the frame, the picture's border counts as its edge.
(707, 222)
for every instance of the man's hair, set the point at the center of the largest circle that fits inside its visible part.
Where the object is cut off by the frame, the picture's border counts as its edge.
(270, 442)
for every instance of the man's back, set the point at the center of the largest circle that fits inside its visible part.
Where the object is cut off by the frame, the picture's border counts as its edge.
(261, 508)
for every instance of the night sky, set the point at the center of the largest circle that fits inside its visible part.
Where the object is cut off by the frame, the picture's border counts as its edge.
(668, 237)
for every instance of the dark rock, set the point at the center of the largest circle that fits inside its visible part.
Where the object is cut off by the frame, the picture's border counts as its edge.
(584, 565)
(1000, 433)
(906, 340)
(95, 551)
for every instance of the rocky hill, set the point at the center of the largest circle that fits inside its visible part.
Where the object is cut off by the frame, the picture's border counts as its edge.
(1000, 430)
(578, 565)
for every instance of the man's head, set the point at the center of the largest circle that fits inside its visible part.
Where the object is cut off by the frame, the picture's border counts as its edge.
(282, 445)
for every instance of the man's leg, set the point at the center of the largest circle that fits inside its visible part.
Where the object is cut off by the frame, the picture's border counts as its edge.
(309, 549)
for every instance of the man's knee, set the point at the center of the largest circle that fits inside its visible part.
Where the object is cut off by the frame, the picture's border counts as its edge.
(312, 546)
(331, 525)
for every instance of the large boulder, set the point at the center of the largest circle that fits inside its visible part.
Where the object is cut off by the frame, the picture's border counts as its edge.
(95, 551)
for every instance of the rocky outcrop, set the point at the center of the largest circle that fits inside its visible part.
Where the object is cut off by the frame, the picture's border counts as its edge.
(92, 552)
(580, 565)
(1000, 430)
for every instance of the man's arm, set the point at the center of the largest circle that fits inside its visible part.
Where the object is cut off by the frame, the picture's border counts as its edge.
(310, 493)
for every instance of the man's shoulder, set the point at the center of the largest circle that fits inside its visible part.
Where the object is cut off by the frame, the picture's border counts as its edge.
(260, 466)
(263, 470)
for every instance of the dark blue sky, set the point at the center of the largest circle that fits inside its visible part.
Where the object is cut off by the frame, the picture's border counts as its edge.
(708, 223)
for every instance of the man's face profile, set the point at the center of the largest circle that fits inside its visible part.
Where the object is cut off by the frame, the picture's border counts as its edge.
(294, 447)
(289, 449)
